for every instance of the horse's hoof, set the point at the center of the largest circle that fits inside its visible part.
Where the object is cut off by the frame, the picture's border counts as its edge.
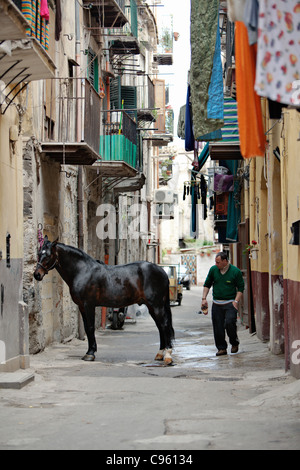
(167, 357)
(168, 361)
(159, 357)
(88, 358)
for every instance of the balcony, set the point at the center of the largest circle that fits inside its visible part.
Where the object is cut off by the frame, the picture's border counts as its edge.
(78, 128)
(107, 13)
(121, 159)
(124, 42)
(118, 146)
(164, 53)
(23, 57)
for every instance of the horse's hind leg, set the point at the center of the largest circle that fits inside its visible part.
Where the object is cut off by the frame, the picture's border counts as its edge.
(163, 321)
(88, 316)
(169, 335)
(160, 355)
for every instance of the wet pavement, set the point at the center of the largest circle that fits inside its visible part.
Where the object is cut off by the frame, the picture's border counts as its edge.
(127, 401)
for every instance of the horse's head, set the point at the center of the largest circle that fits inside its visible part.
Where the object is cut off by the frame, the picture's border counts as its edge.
(47, 259)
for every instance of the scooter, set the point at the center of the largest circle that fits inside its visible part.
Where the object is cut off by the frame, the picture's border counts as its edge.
(117, 317)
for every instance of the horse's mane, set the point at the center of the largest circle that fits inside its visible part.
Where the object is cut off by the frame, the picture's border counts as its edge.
(76, 252)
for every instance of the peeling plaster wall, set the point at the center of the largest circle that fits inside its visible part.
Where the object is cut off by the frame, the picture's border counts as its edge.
(50, 203)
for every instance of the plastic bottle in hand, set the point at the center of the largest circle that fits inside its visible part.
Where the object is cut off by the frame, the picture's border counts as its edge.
(204, 310)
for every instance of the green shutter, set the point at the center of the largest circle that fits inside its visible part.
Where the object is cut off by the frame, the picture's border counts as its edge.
(128, 94)
(93, 69)
(115, 93)
(119, 93)
(134, 18)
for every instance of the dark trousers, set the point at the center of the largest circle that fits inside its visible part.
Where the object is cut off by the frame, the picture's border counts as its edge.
(224, 320)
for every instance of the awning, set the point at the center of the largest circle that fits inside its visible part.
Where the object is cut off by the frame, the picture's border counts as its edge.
(218, 151)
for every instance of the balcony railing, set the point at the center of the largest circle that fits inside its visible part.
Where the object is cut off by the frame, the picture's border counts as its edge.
(119, 140)
(131, 27)
(107, 14)
(76, 139)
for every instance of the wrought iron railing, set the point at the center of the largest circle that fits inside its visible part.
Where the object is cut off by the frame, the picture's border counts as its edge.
(130, 28)
(78, 118)
(119, 139)
(121, 4)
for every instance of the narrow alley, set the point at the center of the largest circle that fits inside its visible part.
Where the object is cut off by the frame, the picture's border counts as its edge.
(127, 401)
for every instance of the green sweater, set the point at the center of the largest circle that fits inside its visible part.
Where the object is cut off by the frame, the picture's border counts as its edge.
(225, 285)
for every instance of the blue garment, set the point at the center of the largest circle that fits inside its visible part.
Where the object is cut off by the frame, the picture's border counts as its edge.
(203, 156)
(189, 133)
(215, 109)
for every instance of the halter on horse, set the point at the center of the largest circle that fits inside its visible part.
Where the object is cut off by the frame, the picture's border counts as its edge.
(95, 284)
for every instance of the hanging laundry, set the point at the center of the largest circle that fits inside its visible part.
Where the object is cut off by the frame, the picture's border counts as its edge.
(206, 71)
(188, 130)
(230, 131)
(181, 122)
(203, 189)
(203, 156)
(215, 91)
(235, 10)
(223, 183)
(44, 10)
(194, 216)
(278, 59)
(251, 20)
(251, 130)
(58, 20)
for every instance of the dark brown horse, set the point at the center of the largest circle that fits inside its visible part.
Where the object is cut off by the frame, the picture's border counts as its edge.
(95, 284)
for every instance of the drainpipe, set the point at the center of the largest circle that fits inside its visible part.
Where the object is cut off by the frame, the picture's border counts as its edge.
(78, 127)
(81, 332)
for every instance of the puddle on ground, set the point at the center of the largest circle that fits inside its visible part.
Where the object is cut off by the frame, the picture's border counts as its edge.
(194, 355)
(188, 350)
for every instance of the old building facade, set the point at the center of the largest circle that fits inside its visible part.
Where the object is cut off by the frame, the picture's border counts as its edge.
(76, 153)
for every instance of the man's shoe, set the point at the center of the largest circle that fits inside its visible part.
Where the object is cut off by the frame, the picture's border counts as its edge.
(221, 352)
(234, 349)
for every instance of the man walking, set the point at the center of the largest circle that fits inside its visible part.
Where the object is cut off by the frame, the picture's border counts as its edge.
(228, 287)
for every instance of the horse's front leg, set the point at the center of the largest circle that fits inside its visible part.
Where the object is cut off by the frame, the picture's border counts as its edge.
(88, 316)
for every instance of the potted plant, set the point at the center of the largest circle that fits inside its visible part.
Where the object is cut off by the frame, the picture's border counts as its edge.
(167, 40)
(251, 249)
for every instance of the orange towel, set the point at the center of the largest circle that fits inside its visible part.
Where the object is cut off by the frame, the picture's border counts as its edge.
(252, 137)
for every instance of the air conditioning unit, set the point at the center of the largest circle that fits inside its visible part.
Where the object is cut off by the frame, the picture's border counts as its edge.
(164, 196)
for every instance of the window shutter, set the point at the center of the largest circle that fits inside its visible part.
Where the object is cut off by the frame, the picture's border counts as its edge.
(128, 94)
(115, 93)
(93, 72)
(119, 93)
